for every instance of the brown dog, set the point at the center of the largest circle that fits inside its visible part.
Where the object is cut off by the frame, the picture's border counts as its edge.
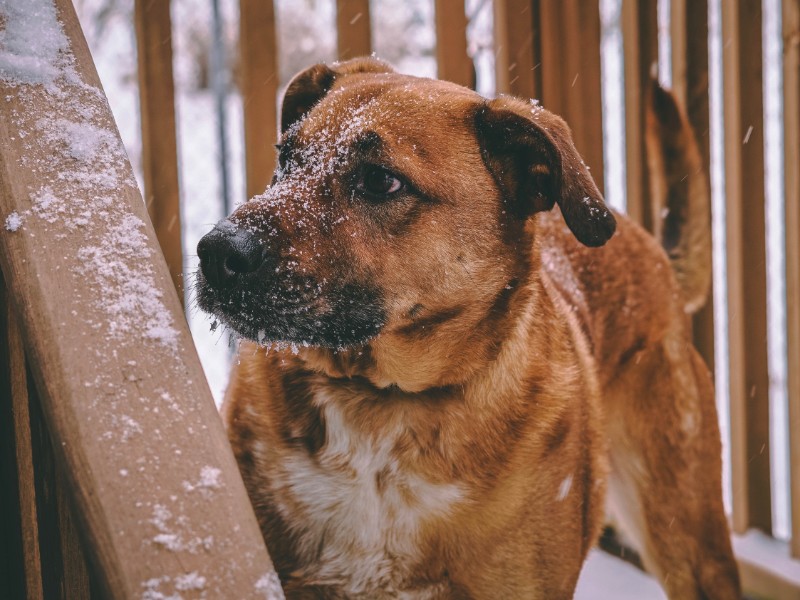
(441, 372)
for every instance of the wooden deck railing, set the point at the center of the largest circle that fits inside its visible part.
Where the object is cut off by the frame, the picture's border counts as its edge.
(544, 49)
(115, 434)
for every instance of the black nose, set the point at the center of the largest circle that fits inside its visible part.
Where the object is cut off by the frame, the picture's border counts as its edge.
(227, 252)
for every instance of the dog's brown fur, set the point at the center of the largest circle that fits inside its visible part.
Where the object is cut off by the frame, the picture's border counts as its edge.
(463, 448)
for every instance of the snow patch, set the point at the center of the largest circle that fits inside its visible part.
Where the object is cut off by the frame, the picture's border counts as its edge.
(33, 47)
(190, 581)
(209, 479)
(80, 174)
(270, 586)
(13, 222)
(171, 538)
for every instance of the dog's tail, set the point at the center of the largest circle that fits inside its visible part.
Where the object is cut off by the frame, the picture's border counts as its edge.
(680, 194)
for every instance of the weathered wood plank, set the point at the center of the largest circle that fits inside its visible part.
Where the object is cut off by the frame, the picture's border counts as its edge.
(259, 61)
(159, 141)
(354, 37)
(517, 40)
(454, 64)
(146, 460)
(746, 259)
(791, 144)
(21, 568)
(63, 564)
(689, 33)
(640, 48)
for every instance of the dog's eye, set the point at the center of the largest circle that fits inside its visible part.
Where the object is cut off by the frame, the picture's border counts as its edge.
(377, 181)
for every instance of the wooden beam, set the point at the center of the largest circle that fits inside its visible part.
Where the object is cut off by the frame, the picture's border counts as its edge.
(64, 570)
(159, 144)
(791, 160)
(20, 545)
(640, 47)
(454, 64)
(517, 40)
(571, 83)
(259, 60)
(353, 28)
(134, 428)
(746, 258)
(689, 33)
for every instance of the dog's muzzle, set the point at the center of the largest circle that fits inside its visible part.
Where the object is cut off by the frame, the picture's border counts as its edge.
(228, 253)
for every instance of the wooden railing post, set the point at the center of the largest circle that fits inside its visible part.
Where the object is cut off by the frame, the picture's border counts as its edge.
(159, 142)
(640, 46)
(134, 429)
(791, 160)
(571, 87)
(689, 33)
(517, 39)
(746, 258)
(259, 59)
(454, 64)
(353, 28)
(20, 530)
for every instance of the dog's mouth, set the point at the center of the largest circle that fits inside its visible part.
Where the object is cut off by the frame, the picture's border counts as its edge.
(243, 286)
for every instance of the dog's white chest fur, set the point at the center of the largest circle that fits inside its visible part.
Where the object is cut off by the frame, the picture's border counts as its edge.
(361, 513)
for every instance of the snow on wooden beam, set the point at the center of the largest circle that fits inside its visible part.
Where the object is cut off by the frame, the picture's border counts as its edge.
(135, 430)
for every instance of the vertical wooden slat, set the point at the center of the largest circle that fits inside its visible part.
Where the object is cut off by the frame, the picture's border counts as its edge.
(689, 33)
(159, 144)
(353, 28)
(746, 256)
(517, 48)
(64, 571)
(451, 43)
(640, 47)
(791, 136)
(571, 86)
(20, 546)
(259, 60)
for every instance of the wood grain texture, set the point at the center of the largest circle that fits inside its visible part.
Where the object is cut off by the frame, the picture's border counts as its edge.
(132, 421)
(354, 33)
(517, 39)
(63, 563)
(259, 60)
(21, 567)
(159, 141)
(689, 35)
(454, 64)
(571, 82)
(791, 144)
(746, 260)
(640, 48)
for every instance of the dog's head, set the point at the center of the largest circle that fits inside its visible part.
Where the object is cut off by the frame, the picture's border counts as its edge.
(400, 210)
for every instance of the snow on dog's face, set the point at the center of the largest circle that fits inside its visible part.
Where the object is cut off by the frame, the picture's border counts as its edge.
(398, 208)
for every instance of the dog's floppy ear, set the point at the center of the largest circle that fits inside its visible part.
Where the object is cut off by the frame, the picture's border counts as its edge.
(309, 86)
(530, 153)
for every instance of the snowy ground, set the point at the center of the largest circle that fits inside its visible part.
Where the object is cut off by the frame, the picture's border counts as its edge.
(606, 577)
